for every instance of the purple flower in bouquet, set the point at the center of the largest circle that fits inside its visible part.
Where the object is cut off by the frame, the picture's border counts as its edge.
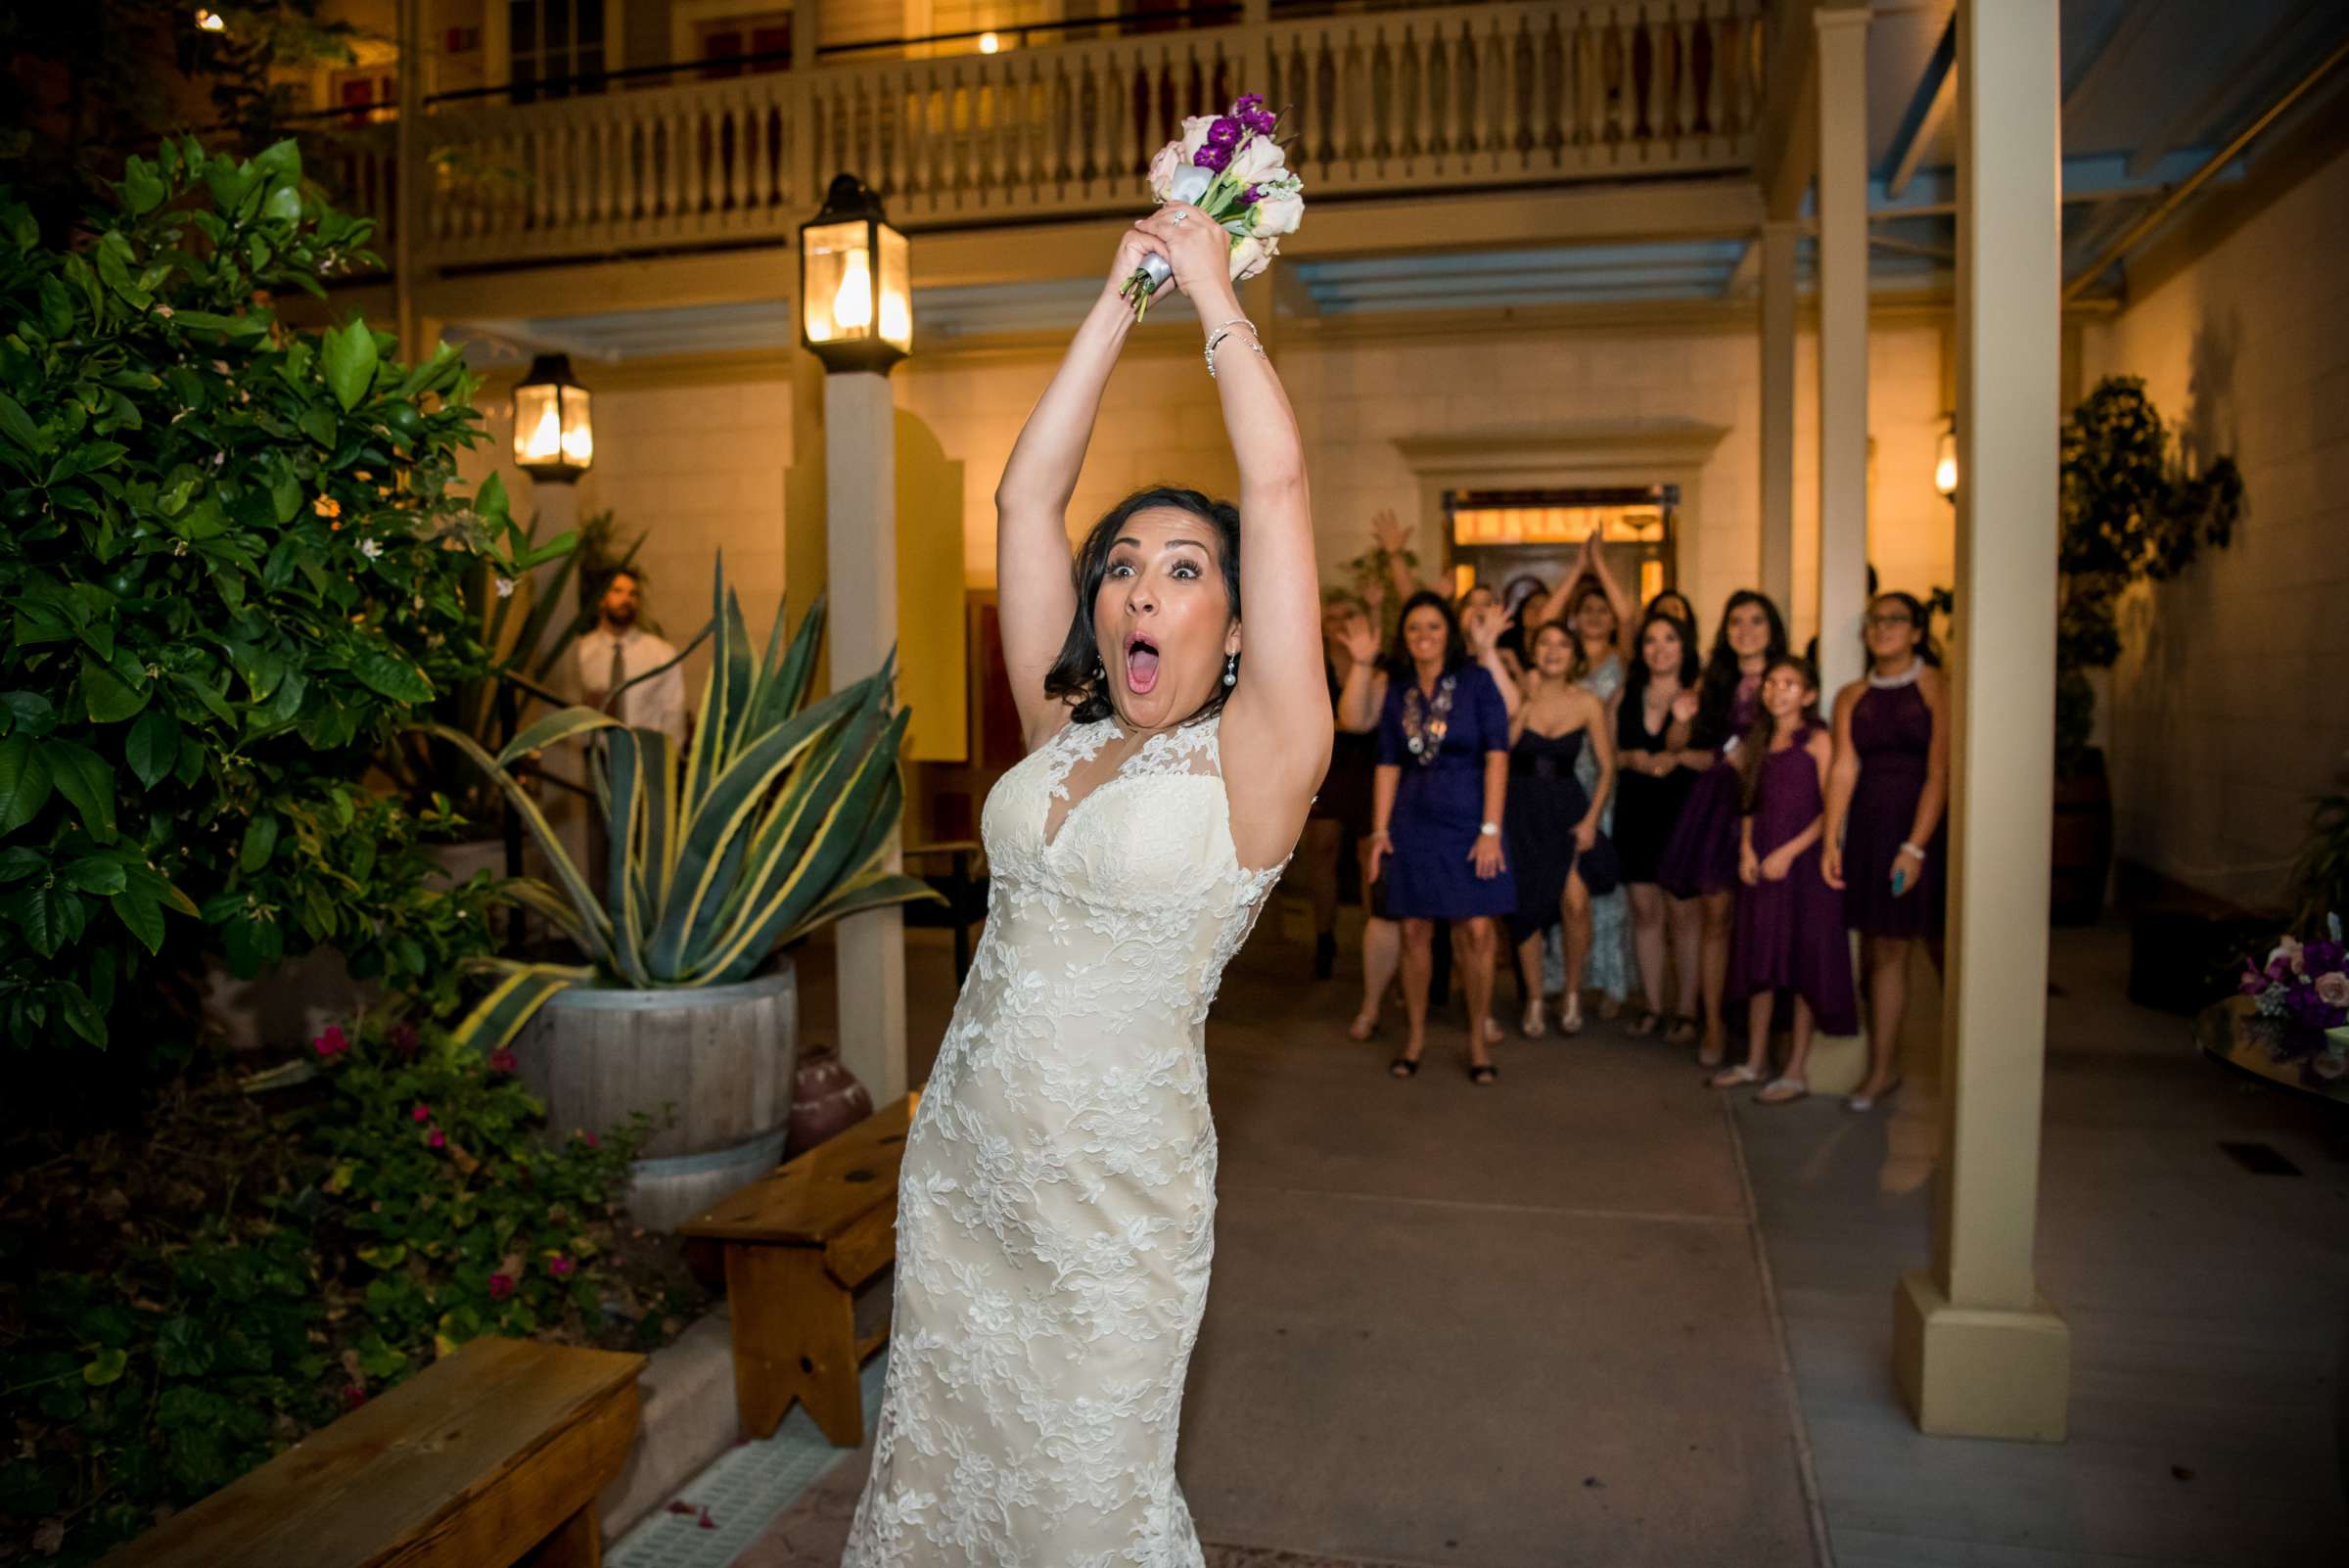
(1250, 110)
(1213, 157)
(1224, 133)
(2322, 956)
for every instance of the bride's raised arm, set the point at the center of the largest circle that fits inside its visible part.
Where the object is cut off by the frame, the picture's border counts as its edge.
(1035, 592)
(1277, 723)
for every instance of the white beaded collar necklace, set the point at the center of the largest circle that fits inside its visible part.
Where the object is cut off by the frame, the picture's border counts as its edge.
(1906, 677)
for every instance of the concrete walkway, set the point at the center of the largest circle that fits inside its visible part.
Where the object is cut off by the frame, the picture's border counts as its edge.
(1539, 1323)
(1523, 1327)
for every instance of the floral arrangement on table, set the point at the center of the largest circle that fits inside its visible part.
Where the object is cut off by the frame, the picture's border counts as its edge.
(1229, 166)
(2300, 1001)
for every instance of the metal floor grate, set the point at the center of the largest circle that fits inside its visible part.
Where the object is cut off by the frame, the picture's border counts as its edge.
(745, 1489)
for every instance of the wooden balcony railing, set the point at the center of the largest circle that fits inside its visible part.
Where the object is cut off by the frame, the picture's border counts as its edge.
(1530, 93)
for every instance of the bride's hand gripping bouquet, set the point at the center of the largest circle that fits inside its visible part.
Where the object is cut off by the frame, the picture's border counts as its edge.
(1230, 167)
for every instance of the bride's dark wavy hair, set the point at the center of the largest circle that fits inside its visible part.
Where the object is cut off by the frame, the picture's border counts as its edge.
(1073, 676)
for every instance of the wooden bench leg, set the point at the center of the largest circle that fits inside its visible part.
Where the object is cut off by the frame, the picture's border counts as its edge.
(795, 1337)
(577, 1542)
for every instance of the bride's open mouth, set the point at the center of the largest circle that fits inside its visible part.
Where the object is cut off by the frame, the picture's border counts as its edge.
(1141, 663)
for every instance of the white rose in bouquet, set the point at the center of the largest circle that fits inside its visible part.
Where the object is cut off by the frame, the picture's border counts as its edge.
(1162, 170)
(1278, 212)
(1259, 159)
(1251, 256)
(1195, 134)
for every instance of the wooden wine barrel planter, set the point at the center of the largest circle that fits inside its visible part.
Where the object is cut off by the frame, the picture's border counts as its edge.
(2082, 862)
(714, 1068)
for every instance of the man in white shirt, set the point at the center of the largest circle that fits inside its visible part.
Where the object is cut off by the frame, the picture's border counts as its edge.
(618, 651)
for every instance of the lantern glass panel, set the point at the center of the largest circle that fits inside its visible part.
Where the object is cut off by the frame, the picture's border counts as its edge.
(896, 291)
(837, 281)
(1945, 464)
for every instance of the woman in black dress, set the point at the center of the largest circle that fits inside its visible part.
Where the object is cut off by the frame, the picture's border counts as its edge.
(1553, 824)
(1656, 767)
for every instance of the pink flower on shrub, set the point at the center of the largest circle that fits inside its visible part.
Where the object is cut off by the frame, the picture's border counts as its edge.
(500, 1286)
(501, 1060)
(331, 1043)
(422, 1112)
(436, 1139)
(560, 1266)
(403, 1040)
(353, 1396)
(589, 1139)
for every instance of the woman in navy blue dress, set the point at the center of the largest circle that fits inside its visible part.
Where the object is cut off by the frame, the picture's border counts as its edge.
(1435, 816)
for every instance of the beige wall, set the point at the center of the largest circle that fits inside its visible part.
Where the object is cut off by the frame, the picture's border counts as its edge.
(2224, 713)
(701, 463)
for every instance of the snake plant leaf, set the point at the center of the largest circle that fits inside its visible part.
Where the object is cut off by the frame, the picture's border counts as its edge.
(548, 904)
(795, 820)
(622, 896)
(556, 727)
(865, 776)
(527, 988)
(876, 890)
(597, 924)
(712, 821)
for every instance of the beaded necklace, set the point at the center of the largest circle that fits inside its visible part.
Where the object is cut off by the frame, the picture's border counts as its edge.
(1423, 723)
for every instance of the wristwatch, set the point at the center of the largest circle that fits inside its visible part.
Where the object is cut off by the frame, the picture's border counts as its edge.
(1490, 830)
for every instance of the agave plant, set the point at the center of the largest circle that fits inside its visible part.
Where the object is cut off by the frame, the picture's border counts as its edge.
(776, 819)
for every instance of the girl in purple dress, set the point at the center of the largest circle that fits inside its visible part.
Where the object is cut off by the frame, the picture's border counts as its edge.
(1885, 795)
(1700, 858)
(1789, 934)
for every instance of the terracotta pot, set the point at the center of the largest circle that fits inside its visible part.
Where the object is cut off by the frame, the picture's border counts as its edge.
(825, 1099)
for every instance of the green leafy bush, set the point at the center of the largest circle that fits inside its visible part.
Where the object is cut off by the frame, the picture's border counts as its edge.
(181, 1301)
(233, 565)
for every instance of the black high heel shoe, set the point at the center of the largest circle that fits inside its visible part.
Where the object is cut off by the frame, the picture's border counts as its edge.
(1482, 1072)
(1403, 1067)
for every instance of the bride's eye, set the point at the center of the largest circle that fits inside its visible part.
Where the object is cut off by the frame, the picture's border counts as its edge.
(1186, 570)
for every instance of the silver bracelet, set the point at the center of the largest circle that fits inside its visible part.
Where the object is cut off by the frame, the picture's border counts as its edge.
(1215, 337)
(1907, 847)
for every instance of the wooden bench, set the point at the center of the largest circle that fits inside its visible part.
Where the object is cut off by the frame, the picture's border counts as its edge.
(798, 1243)
(478, 1462)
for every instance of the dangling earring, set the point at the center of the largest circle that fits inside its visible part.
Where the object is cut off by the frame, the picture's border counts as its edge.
(1101, 671)
(1231, 670)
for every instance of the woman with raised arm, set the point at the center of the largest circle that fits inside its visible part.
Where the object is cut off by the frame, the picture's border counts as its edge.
(1056, 1205)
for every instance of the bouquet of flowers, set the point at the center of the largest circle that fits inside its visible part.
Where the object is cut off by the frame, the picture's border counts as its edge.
(1229, 166)
(2301, 994)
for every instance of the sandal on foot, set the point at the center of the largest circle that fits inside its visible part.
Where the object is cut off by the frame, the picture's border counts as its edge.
(1403, 1067)
(1570, 1016)
(1863, 1103)
(1531, 1025)
(1646, 1027)
(1493, 1032)
(1783, 1091)
(1483, 1073)
(1680, 1032)
(1732, 1076)
(1364, 1026)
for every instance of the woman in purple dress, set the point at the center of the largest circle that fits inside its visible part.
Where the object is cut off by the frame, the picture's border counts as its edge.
(1435, 816)
(1700, 858)
(1789, 940)
(1885, 796)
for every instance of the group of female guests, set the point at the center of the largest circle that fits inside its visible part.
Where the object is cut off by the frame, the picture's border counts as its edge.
(1564, 772)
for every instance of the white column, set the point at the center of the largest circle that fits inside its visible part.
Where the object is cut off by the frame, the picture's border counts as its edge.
(1777, 243)
(1842, 37)
(1978, 1351)
(861, 511)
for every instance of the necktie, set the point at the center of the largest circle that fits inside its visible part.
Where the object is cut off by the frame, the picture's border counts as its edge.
(618, 673)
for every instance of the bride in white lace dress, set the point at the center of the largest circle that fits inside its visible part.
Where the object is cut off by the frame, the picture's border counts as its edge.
(1056, 1208)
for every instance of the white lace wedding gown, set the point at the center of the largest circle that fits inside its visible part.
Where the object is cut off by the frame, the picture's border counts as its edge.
(1056, 1208)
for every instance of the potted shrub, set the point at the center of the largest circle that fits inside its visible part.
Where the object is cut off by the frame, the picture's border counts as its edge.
(2129, 512)
(777, 818)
